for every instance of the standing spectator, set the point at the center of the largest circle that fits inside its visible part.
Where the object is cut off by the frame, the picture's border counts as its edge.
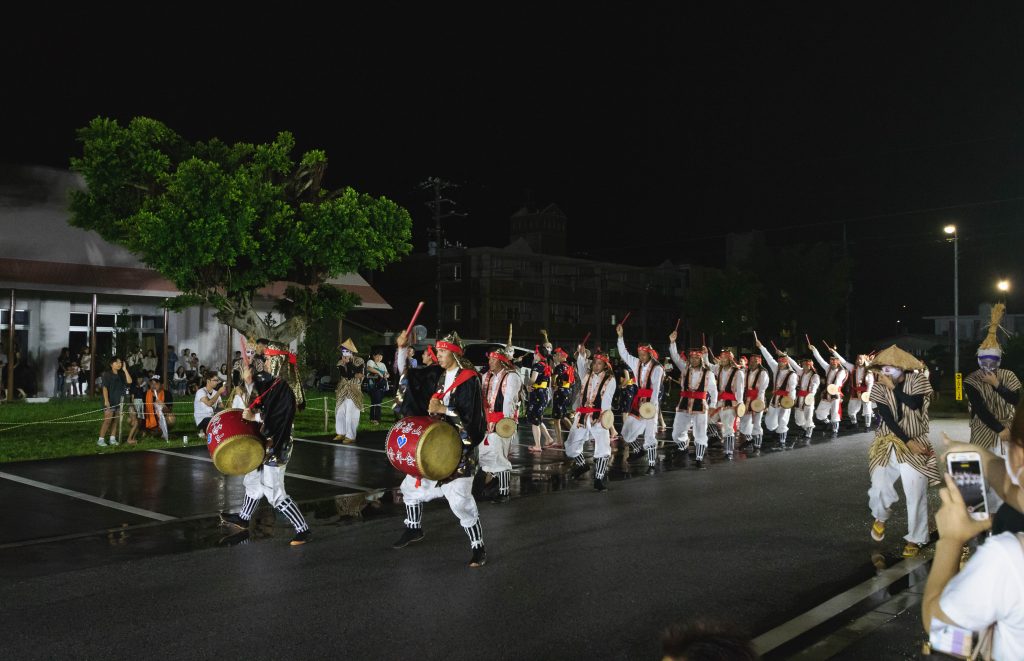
(172, 361)
(208, 401)
(135, 362)
(114, 386)
(85, 372)
(63, 360)
(180, 380)
(138, 394)
(377, 376)
(222, 373)
(193, 361)
(71, 384)
(149, 363)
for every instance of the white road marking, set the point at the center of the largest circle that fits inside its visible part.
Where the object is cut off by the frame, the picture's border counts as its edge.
(89, 498)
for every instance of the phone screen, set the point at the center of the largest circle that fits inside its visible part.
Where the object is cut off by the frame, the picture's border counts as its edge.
(967, 475)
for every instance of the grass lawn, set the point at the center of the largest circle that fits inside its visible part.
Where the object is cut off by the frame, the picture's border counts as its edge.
(70, 427)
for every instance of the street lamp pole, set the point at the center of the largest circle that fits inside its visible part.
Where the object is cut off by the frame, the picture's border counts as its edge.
(951, 229)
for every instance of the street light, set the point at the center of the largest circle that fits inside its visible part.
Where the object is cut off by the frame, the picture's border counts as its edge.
(1003, 285)
(951, 230)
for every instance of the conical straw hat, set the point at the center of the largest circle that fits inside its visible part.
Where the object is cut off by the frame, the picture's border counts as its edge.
(896, 357)
(350, 345)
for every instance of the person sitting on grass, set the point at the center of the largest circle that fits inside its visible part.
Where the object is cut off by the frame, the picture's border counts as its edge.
(208, 401)
(158, 415)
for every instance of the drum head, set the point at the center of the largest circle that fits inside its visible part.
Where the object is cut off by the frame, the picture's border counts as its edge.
(865, 397)
(787, 402)
(741, 410)
(505, 428)
(238, 455)
(607, 419)
(439, 451)
(832, 389)
(809, 399)
(648, 410)
(757, 405)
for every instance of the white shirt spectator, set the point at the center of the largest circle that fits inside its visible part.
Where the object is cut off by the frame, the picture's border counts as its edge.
(989, 589)
(202, 410)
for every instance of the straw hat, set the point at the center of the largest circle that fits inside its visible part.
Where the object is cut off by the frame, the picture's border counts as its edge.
(990, 345)
(896, 357)
(348, 345)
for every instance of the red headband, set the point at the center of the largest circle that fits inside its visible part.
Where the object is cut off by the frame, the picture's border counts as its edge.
(454, 348)
(430, 352)
(500, 356)
(648, 349)
(603, 358)
(561, 351)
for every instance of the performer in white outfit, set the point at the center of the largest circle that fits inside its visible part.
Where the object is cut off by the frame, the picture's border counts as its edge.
(349, 394)
(863, 379)
(698, 393)
(830, 407)
(784, 385)
(730, 379)
(757, 381)
(649, 379)
(808, 382)
(502, 387)
(595, 398)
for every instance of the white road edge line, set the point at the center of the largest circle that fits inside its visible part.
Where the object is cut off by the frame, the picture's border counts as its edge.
(89, 498)
(801, 624)
(298, 476)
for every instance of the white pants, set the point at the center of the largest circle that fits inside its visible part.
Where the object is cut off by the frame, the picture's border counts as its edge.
(777, 419)
(727, 416)
(634, 426)
(804, 417)
(458, 492)
(346, 419)
(882, 495)
(854, 407)
(268, 483)
(494, 453)
(682, 423)
(992, 499)
(750, 423)
(581, 434)
(161, 421)
(828, 410)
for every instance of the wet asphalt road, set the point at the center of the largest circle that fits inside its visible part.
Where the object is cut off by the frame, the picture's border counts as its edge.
(571, 574)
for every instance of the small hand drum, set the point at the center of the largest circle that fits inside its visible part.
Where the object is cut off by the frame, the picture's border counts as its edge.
(505, 428)
(787, 402)
(865, 397)
(832, 389)
(741, 410)
(757, 405)
(607, 419)
(809, 399)
(648, 410)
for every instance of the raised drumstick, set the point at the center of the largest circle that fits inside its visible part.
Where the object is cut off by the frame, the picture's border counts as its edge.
(412, 322)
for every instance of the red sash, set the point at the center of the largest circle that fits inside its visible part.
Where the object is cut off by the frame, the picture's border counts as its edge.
(276, 352)
(693, 394)
(802, 393)
(641, 393)
(495, 417)
(751, 393)
(728, 396)
(588, 410)
(781, 393)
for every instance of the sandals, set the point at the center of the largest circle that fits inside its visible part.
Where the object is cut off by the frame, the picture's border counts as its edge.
(911, 550)
(533, 449)
(878, 531)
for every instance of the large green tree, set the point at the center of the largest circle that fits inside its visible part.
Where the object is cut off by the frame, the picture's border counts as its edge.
(224, 221)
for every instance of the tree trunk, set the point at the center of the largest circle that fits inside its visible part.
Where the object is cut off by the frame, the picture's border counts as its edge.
(247, 321)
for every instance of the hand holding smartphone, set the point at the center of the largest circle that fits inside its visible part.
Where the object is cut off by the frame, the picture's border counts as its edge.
(965, 469)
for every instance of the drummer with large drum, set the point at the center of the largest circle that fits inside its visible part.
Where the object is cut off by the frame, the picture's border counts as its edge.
(433, 444)
(594, 417)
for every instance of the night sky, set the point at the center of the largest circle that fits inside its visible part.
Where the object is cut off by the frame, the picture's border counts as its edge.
(657, 131)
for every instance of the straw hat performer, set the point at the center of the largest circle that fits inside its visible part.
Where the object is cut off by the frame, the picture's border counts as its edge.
(596, 396)
(901, 449)
(649, 380)
(830, 407)
(349, 393)
(757, 380)
(502, 386)
(863, 379)
(784, 386)
(698, 393)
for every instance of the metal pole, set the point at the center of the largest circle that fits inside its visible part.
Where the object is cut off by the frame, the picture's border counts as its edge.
(849, 293)
(437, 237)
(89, 387)
(956, 305)
(164, 360)
(10, 352)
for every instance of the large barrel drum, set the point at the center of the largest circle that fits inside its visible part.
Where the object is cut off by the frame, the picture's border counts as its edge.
(423, 447)
(235, 444)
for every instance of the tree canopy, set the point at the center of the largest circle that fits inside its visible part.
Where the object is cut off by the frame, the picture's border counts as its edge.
(223, 221)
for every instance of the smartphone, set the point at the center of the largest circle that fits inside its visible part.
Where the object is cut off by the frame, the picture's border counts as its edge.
(965, 467)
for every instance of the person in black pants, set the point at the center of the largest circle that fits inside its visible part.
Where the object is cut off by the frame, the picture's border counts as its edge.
(377, 384)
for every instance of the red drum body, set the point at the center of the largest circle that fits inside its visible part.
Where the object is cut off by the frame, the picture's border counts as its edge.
(235, 444)
(423, 447)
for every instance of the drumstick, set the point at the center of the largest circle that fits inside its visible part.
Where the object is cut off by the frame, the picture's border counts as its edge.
(775, 347)
(623, 322)
(412, 321)
(808, 338)
(584, 342)
(677, 326)
(703, 343)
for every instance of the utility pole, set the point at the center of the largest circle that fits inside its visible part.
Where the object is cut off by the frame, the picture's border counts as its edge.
(437, 185)
(849, 294)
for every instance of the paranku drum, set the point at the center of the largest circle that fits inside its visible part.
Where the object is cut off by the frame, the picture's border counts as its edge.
(757, 405)
(423, 447)
(865, 397)
(607, 418)
(505, 428)
(741, 410)
(787, 402)
(235, 444)
(648, 410)
(832, 389)
(809, 399)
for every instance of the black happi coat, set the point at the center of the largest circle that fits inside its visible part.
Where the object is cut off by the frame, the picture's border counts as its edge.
(467, 400)
(277, 405)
